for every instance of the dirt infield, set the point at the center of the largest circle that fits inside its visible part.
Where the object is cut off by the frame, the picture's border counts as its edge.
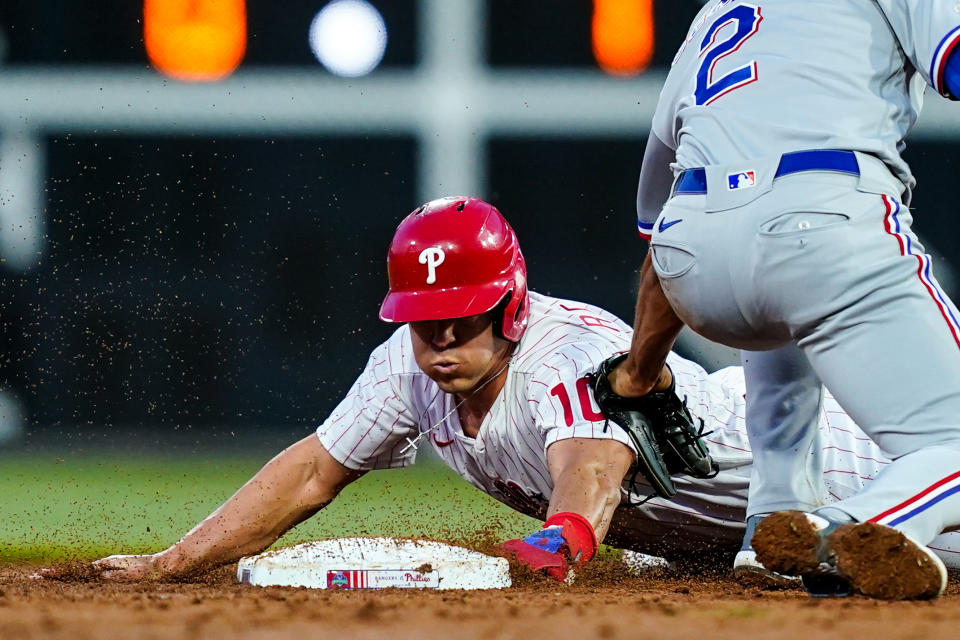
(605, 603)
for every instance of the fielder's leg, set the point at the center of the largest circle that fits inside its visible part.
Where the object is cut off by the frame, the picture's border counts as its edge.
(892, 360)
(783, 409)
(889, 350)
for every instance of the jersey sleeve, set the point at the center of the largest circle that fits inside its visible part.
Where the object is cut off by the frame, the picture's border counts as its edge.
(951, 76)
(656, 180)
(929, 32)
(564, 403)
(370, 426)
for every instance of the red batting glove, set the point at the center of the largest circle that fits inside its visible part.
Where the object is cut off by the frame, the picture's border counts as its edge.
(566, 538)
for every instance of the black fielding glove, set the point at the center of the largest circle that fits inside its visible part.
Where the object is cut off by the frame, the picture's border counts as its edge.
(660, 426)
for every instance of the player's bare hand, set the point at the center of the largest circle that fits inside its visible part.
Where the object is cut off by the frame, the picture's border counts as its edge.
(68, 572)
(625, 382)
(129, 567)
(119, 567)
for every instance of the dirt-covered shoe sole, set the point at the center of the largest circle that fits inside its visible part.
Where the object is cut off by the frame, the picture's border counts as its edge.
(882, 562)
(876, 560)
(789, 542)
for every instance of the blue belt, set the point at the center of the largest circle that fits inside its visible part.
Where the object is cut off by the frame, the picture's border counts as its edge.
(695, 180)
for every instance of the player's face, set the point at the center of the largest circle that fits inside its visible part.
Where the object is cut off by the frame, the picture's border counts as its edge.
(460, 353)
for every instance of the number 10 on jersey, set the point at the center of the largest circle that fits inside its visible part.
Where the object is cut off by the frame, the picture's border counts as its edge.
(745, 19)
(583, 395)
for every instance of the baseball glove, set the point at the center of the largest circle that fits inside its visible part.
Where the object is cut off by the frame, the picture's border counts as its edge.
(660, 426)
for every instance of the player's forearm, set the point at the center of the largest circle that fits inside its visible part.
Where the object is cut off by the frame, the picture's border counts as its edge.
(585, 493)
(253, 519)
(586, 476)
(287, 490)
(655, 328)
(590, 490)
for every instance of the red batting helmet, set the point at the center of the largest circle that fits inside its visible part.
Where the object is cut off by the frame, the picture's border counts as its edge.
(456, 257)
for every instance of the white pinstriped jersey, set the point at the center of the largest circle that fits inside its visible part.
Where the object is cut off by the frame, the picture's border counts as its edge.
(760, 78)
(546, 399)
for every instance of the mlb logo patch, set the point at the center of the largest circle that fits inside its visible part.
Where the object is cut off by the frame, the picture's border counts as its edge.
(741, 180)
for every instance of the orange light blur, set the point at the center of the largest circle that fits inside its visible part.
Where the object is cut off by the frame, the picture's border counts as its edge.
(623, 35)
(195, 40)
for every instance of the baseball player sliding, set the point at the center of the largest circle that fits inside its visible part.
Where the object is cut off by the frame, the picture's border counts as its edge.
(776, 201)
(495, 380)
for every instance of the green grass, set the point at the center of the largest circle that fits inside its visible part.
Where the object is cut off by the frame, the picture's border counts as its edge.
(82, 507)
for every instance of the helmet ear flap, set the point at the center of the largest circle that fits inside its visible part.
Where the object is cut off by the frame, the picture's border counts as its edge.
(510, 316)
(517, 307)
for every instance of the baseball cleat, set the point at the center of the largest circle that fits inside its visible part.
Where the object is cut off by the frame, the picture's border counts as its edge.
(837, 559)
(748, 571)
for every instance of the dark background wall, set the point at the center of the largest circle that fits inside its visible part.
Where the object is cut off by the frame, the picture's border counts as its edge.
(197, 282)
(193, 281)
(204, 281)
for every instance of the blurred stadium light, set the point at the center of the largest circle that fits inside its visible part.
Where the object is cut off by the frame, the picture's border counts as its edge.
(195, 40)
(348, 37)
(623, 35)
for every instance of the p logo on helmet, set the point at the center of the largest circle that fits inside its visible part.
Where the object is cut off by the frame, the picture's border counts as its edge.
(432, 257)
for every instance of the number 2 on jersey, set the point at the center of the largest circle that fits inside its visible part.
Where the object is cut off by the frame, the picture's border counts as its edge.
(746, 19)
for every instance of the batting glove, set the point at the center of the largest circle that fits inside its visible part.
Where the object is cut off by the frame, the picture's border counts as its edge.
(567, 539)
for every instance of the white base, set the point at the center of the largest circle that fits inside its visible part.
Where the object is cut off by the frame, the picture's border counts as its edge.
(375, 563)
(639, 563)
